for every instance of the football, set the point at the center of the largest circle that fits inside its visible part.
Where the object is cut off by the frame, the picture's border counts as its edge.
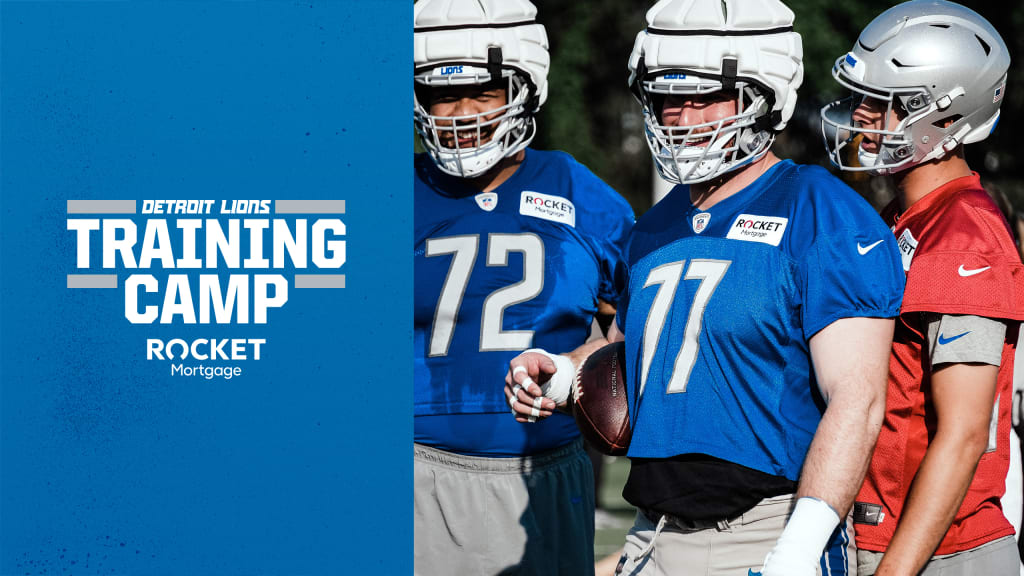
(599, 400)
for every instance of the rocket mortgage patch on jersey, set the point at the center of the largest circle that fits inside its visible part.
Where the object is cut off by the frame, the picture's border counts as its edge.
(548, 207)
(908, 245)
(766, 229)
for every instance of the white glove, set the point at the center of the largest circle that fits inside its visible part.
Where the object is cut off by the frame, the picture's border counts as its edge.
(799, 548)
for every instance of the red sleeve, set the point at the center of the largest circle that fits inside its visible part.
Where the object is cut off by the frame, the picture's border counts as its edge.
(967, 263)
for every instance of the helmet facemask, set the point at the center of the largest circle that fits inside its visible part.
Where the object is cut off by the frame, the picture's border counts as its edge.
(495, 134)
(896, 148)
(702, 152)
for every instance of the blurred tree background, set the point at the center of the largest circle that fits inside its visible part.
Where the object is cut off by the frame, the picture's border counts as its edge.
(591, 114)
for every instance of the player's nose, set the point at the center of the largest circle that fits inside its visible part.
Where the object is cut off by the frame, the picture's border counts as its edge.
(689, 115)
(464, 107)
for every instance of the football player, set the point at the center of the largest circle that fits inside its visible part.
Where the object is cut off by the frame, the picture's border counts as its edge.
(927, 77)
(758, 315)
(514, 248)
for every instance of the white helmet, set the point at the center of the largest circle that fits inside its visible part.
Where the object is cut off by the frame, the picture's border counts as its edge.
(703, 46)
(936, 63)
(466, 42)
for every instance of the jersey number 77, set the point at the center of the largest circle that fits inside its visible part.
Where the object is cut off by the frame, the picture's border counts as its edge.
(710, 274)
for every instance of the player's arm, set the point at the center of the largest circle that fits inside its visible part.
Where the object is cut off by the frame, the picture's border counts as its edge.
(537, 383)
(963, 395)
(851, 364)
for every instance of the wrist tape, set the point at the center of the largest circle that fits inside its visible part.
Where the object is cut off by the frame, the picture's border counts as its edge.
(807, 532)
(560, 384)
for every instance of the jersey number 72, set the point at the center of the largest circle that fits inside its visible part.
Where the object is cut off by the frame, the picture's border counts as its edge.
(464, 251)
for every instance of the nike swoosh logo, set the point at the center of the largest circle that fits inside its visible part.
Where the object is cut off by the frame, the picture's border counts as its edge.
(943, 340)
(965, 272)
(864, 250)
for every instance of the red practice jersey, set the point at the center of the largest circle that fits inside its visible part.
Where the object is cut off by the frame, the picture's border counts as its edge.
(960, 258)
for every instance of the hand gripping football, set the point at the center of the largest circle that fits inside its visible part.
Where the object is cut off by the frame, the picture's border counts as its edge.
(599, 400)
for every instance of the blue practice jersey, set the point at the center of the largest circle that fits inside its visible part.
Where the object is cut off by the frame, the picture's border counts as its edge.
(722, 303)
(523, 266)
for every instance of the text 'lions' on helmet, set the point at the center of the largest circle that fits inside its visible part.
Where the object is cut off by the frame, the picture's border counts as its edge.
(940, 67)
(478, 42)
(691, 47)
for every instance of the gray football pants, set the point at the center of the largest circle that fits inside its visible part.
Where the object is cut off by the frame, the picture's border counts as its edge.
(995, 558)
(726, 548)
(485, 516)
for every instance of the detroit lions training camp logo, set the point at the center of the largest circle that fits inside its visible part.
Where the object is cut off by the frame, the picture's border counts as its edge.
(184, 263)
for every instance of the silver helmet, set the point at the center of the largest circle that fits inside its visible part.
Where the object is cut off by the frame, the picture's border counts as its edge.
(690, 47)
(940, 67)
(475, 42)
